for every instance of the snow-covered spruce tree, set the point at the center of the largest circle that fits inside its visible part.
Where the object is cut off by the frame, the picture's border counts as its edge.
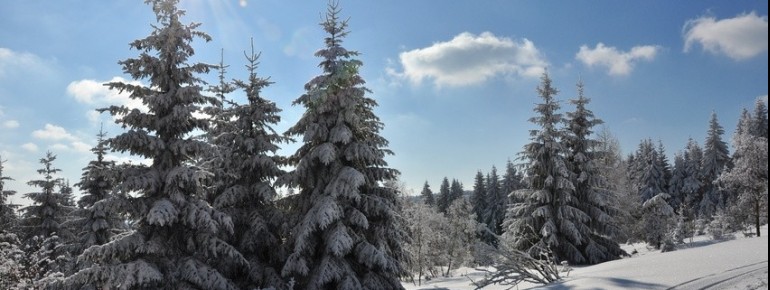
(479, 197)
(716, 158)
(649, 176)
(92, 225)
(427, 195)
(612, 167)
(497, 202)
(42, 221)
(676, 183)
(591, 190)
(244, 165)
(684, 227)
(748, 176)
(47, 212)
(347, 233)
(692, 184)
(658, 219)
(65, 189)
(217, 116)
(12, 271)
(11, 255)
(511, 181)
(456, 190)
(480, 206)
(7, 210)
(548, 217)
(664, 165)
(759, 122)
(176, 233)
(444, 198)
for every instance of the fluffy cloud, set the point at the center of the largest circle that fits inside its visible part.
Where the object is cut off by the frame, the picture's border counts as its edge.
(59, 147)
(31, 147)
(95, 93)
(618, 63)
(12, 62)
(10, 124)
(61, 139)
(53, 133)
(80, 146)
(739, 38)
(470, 59)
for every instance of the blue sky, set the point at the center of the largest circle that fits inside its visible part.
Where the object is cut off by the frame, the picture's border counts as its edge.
(455, 80)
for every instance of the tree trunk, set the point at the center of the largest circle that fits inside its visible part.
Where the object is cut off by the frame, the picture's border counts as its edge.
(756, 217)
(448, 267)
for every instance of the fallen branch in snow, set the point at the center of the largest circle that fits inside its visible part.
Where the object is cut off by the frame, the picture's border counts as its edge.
(514, 267)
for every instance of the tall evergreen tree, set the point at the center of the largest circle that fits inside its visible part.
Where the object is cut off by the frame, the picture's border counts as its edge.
(649, 176)
(45, 235)
(613, 168)
(759, 127)
(590, 187)
(692, 185)
(347, 233)
(749, 174)
(745, 123)
(92, 225)
(176, 241)
(511, 181)
(547, 219)
(444, 198)
(244, 165)
(47, 212)
(479, 197)
(664, 166)
(716, 158)
(456, 190)
(676, 184)
(427, 195)
(497, 203)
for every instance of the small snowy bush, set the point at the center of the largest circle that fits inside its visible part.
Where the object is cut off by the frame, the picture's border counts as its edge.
(720, 227)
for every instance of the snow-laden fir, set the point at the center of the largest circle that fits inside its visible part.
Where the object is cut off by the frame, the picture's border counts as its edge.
(345, 228)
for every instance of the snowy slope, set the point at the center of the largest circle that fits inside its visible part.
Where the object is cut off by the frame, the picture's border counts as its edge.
(737, 264)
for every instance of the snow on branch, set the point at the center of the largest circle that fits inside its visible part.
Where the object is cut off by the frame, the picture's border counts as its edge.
(514, 266)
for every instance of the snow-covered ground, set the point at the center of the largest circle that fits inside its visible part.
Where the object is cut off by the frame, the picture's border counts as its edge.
(702, 264)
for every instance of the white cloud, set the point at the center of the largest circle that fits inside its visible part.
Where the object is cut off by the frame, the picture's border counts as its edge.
(10, 124)
(470, 59)
(54, 133)
(12, 62)
(31, 147)
(95, 93)
(58, 147)
(618, 63)
(739, 38)
(80, 146)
